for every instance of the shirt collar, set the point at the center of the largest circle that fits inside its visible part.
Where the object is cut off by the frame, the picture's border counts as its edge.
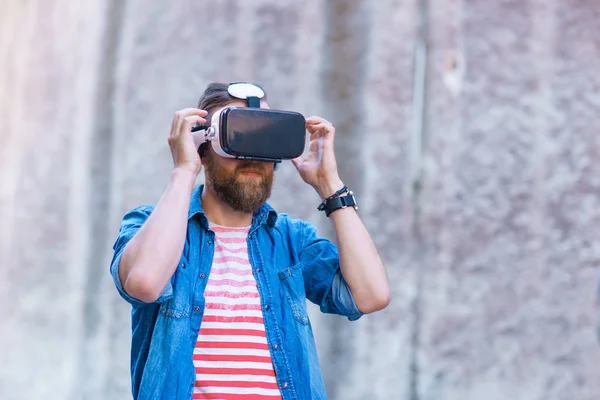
(264, 214)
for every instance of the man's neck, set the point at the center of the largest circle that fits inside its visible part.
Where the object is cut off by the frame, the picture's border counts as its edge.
(222, 214)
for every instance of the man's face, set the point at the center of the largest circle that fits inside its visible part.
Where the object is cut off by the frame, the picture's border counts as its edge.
(242, 184)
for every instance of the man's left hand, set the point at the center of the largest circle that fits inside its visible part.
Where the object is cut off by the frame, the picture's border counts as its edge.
(319, 168)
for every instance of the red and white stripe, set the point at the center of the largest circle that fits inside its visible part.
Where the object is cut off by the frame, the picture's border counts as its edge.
(231, 357)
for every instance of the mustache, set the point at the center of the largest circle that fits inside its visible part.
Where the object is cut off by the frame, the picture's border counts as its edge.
(252, 167)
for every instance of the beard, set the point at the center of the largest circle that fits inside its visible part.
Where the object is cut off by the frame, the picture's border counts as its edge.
(242, 194)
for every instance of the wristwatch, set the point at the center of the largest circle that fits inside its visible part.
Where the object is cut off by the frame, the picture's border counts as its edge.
(347, 200)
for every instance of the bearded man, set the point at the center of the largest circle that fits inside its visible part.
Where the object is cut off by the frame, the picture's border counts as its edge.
(218, 280)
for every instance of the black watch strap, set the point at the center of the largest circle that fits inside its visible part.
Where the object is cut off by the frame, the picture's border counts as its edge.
(340, 202)
(340, 192)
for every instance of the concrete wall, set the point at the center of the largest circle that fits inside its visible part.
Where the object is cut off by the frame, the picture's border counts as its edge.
(467, 128)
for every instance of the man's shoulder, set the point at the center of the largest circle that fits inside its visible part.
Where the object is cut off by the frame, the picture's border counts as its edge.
(295, 226)
(141, 209)
(138, 214)
(284, 219)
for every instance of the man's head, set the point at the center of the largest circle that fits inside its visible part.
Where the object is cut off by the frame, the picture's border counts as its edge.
(241, 184)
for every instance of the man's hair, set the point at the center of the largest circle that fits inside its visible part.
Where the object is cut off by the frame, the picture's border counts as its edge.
(215, 96)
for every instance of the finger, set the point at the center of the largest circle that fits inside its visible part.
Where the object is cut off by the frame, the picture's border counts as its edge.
(315, 120)
(194, 120)
(185, 124)
(173, 124)
(186, 112)
(177, 121)
(314, 127)
(297, 161)
(197, 137)
(181, 115)
(312, 121)
(188, 123)
(321, 125)
(322, 128)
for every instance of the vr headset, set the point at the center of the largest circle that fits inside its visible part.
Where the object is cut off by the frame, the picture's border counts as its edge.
(253, 133)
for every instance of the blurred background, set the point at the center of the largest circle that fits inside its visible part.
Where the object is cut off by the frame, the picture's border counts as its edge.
(468, 130)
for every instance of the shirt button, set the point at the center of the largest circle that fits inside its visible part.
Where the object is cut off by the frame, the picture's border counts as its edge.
(276, 346)
(196, 309)
(257, 269)
(285, 385)
(202, 276)
(267, 307)
(209, 242)
(183, 266)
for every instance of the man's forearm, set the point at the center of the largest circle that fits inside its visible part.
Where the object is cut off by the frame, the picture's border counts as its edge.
(360, 263)
(152, 255)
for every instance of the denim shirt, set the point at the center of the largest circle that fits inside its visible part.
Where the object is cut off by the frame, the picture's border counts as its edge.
(290, 264)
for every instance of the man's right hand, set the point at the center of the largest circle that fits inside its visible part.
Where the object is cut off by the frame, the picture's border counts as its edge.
(183, 150)
(151, 257)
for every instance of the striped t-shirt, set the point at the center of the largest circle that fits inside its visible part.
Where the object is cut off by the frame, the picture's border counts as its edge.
(231, 357)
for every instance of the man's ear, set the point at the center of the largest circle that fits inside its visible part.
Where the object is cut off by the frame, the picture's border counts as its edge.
(202, 151)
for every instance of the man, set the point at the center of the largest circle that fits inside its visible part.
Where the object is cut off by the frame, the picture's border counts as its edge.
(218, 280)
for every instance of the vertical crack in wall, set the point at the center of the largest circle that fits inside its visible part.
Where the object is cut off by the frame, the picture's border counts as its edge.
(100, 158)
(418, 140)
(343, 80)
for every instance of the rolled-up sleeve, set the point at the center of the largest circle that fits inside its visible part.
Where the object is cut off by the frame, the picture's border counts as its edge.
(130, 225)
(323, 280)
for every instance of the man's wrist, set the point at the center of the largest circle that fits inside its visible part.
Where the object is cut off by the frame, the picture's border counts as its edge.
(184, 177)
(329, 187)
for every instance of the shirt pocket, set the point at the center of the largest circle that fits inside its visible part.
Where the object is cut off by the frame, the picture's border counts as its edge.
(292, 286)
(178, 306)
